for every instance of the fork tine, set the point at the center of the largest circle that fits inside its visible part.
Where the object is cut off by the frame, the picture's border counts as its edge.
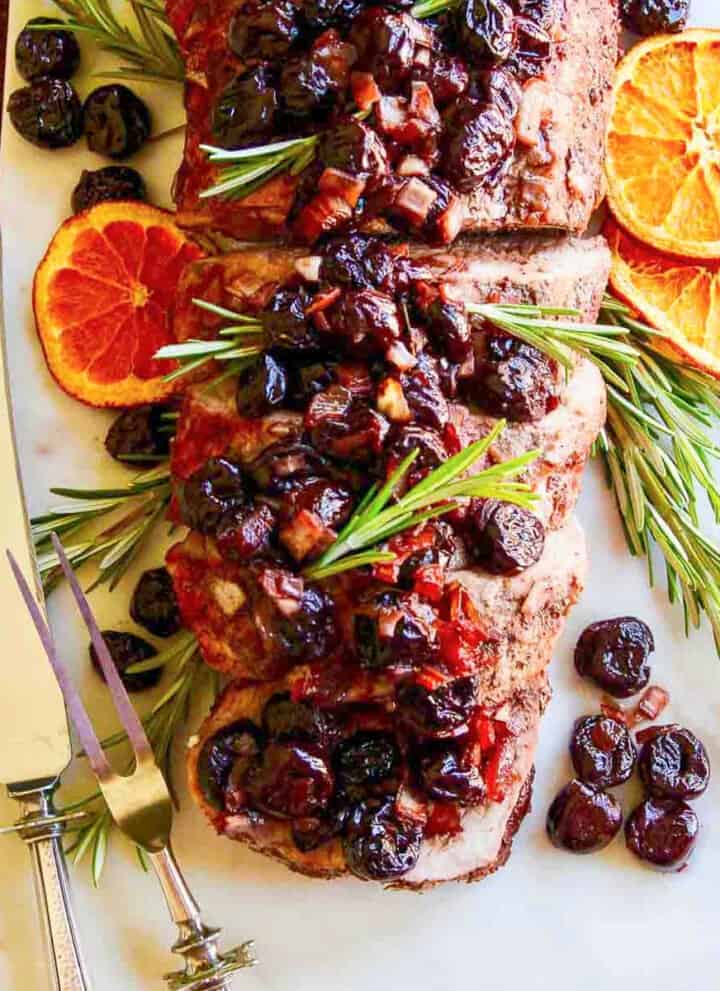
(78, 713)
(125, 710)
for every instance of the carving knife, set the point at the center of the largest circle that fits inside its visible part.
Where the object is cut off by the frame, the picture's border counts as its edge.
(34, 739)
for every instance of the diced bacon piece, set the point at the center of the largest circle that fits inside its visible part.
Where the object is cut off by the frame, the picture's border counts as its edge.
(412, 165)
(324, 213)
(391, 114)
(415, 200)
(449, 223)
(309, 267)
(338, 183)
(397, 354)
(331, 404)
(422, 104)
(306, 535)
(365, 90)
(391, 401)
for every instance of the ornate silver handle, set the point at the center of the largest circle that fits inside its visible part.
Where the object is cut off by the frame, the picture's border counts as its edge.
(42, 830)
(206, 969)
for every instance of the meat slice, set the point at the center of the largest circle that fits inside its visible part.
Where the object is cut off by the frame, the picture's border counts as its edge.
(529, 143)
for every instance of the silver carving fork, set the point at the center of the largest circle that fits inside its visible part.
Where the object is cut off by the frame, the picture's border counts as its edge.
(140, 802)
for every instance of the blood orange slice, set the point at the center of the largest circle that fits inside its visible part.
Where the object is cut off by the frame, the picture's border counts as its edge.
(103, 299)
(674, 295)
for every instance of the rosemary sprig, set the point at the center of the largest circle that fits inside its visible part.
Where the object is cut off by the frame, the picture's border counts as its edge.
(190, 678)
(658, 454)
(377, 519)
(150, 52)
(131, 513)
(251, 168)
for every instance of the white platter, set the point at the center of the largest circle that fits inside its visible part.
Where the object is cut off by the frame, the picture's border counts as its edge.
(547, 921)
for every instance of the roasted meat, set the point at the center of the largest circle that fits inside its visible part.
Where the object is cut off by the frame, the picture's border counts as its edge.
(488, 118)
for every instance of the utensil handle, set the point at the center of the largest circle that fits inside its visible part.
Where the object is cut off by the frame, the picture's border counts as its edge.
(42, 831)
(67, 969)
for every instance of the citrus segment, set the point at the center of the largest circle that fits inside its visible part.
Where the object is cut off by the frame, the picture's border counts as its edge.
(677, 296)
(663, 162)
(103, 299)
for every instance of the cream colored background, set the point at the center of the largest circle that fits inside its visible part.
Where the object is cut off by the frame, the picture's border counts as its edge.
(547, 921)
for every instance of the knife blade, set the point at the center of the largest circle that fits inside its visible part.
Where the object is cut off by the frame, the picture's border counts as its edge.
(34, 738)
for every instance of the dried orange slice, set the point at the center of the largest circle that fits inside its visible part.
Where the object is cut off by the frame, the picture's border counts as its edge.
(103, 298)
(663, 161)
(675, 295)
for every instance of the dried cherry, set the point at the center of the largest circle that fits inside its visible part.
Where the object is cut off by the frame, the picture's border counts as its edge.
(49, 52)
(614, 654)
(234, 746)
(505, 539)
(367, 763)
(245, 109)
(485, 29)
(139, 433)
(117, 123)
(48, 113)
(663, 833)
(261, 387)
(264, 30)
(440, 712)
(154, 605)
(212, 495)
(112, 182)
(602, 751)
(674, 764)
(655, 16)
(379, 846)
(444, 778)
(515, 381)
(583, 819)
(125, 650)
(290, 781)
(477, 146)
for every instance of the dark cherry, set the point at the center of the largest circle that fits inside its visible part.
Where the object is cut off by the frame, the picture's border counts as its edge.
(428, 443)
(367, 763)
(447, 76)
(235, 746)
(366, 320)
(602, 751)
(515, 381)
(285, 325)
(307, 380)
(290, 781)
(372, 651)
(533, 48)
(424, 394)
(137, 434)
(353, 147)
(674, 764)
(285, 467)
(284, 719)
(505, 539)
(311, 632)
(500, 88)
(663, 833)
(117, 123)
(264, 30)
(449, 328)
(385, 43)
(379, 846)
(477, 146)
(308, 87)
(614, 654)
(321, 14)
(544, 13)
(48, 113)
(51, 52)
(154, 605)
(112, 182)
(246, 533)
(583, 819)
(245, 109)
(485, 29)
(125, 650)
(442, 712)
(655, 16)
(314, 831)
(261, 387)
(331, 503)
(361, 262)
(356, 438)
(444, 778)
(216, 491)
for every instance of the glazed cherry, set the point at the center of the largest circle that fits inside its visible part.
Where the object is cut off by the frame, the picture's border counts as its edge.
(117, 123)
(285, 325)
(583, 819)
(442, 712)
(212, 496)
(153, 604)
(385, 43)
(125, 650)
(113, 182)
(515, 381)
(477, 146)
(329, 502)
(602, 751)
(235, 746)
(449, 328)
(505, 539)
(245, 109)
(283, 719)
(533, 48)
(139, 436)
(428, 443)
(261, 387)
(655, 16)
(378, 846)
(360, 262)
(663, 833)
(308, 87)
(321, 14)
(674, 764)
(285, 467)
(48, 113)
(367, 763)
(50, 52)
(353, 147)
(485, 29)
(614, 654)
(290, 781)
(310, 632)
(263, 30)
(444, 778)
(447, 76)
(314, 831)
(423, 391)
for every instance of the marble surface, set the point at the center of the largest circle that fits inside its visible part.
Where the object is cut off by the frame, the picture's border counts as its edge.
(547, 920)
